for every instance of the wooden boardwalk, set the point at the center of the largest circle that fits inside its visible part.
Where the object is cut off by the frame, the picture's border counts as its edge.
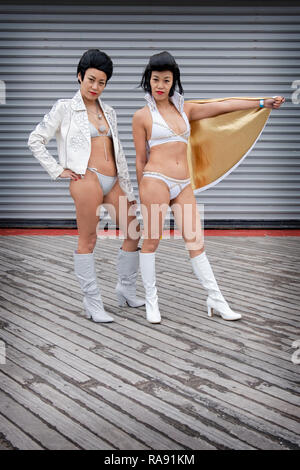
(191, 382)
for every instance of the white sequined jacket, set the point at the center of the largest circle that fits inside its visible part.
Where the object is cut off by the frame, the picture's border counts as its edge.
(68, 121)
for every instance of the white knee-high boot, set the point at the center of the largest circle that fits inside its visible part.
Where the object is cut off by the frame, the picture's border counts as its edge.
(127, 267)
(215, 300)
(84, 266)
(147, 267)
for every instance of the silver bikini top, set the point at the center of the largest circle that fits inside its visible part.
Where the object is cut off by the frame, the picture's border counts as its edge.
(161, 132)
(96, 133)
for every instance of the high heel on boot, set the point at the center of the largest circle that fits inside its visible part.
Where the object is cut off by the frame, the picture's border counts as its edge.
(85, 271)
(223, 309)
(122, 301)
(215, 301)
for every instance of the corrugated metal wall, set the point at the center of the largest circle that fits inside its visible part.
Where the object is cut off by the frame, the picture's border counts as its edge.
(222, 51)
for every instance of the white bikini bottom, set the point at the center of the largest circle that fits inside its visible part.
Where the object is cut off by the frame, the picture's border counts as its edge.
(106, 182)
(175, 186)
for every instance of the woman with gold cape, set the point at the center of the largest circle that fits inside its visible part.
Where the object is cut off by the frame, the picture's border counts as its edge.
(182, 147)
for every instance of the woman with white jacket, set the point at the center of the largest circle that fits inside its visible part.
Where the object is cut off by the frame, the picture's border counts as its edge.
(91, 156)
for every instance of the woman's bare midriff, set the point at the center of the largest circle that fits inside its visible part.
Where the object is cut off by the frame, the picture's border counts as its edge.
(170, 159)
(97, 157)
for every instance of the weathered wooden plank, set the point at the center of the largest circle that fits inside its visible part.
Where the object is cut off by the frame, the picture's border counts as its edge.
(69, 428)
(226, 383)
(241, 415)
(87, 357)
(257, 439)
(245, 376)
(166, 369)
(71, 326)
(258, 410)
(289, 343)
(44, 356)
(274, 432)
(152, 438)
(43, 301)
(89, 419)
(111, 384)
(213, 435)
(254, 293)
(44, 436)
(14, 437)
(237, 378)
(199, 343)
(80, 303)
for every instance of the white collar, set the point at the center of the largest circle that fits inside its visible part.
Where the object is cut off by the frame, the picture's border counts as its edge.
(177, 99)
(78, 103)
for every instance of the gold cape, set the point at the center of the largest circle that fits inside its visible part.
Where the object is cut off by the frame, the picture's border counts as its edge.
(217, 145)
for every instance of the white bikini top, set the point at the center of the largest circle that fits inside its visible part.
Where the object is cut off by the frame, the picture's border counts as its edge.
(95, 133)
(161, 132)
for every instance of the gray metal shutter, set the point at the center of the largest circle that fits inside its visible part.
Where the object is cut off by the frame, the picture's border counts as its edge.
(222, 51)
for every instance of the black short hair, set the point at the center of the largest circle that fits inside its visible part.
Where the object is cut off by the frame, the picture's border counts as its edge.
(159, 62)
(95, 59)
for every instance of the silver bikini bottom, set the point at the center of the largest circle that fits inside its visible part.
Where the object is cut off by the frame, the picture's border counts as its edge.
(175, 186)
(106, 182)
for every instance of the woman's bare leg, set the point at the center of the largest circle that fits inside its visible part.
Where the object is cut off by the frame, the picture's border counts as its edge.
(187, 219)
(155, 199)
(87, 195)
(119, 209)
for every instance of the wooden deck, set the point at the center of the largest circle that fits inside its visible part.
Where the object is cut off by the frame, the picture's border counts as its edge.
(189, 383)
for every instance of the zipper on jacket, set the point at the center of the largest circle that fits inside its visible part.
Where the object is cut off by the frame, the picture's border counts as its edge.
(67, 139)
(113, 135)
